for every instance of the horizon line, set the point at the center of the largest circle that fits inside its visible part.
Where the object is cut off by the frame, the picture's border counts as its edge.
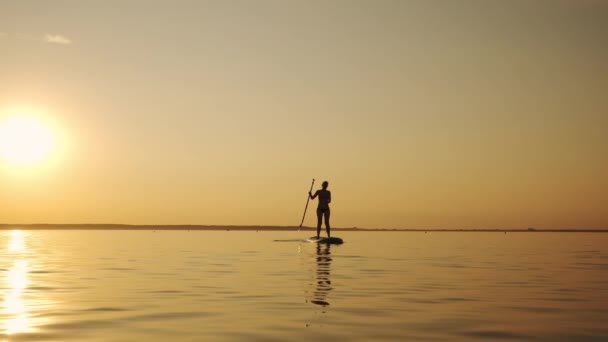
(126, 226)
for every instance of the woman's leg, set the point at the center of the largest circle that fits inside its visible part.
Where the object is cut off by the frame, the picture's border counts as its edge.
(327, 222)
(319, 216)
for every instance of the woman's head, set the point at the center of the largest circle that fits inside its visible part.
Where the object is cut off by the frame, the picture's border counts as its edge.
(325, 184)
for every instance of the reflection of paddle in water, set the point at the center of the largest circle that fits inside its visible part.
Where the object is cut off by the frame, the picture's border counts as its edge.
(323, 285)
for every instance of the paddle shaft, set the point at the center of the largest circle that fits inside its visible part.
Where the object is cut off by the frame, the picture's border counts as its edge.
(306, 207)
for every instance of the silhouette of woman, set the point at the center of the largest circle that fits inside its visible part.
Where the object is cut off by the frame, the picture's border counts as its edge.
(322, 208)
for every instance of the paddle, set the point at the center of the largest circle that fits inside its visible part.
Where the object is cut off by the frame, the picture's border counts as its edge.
(306, 207)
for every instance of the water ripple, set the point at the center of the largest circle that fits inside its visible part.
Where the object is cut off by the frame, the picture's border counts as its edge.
(141, 285)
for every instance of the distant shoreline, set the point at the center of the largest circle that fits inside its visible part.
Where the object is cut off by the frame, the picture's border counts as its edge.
(270, 228)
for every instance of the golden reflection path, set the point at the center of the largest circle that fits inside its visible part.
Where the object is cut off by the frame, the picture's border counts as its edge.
(14, 309)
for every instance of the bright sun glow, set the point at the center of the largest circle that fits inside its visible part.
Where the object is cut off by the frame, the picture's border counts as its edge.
(25, 140)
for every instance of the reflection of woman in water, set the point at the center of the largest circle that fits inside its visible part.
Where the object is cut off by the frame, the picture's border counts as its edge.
(323, 207)
(323, 285)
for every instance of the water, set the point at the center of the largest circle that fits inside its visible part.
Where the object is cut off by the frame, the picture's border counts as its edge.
(244, 286)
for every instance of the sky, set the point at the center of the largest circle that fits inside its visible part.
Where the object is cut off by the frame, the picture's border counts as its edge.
(420, 114)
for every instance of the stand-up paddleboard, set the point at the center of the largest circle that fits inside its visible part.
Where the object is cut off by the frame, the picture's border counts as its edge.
(332, 240)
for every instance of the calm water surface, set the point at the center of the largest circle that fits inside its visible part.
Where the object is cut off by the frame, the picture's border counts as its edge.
(236, 286)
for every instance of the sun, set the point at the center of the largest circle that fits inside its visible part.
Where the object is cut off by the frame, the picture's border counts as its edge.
(25, 139)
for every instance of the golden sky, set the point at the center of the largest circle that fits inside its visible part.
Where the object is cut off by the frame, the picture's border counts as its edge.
(420, 114)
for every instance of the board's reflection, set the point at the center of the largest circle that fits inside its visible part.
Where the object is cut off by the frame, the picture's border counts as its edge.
(323, 280)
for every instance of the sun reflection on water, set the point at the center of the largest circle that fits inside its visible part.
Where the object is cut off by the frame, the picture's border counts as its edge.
(14, 311)
(16, 242)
